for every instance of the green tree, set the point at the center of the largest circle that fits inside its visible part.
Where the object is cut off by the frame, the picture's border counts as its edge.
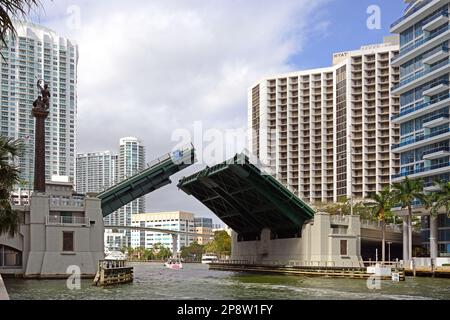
(440, 199)
(9, 177)
(221, 245)
(161, 252)
(194, 251)
(380, 204)
(405, 193)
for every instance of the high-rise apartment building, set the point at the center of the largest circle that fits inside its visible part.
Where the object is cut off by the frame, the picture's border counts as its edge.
(326, 133)
(96, 172)
(177, 221)
(424, 148)
(131, 160)
(40, 53)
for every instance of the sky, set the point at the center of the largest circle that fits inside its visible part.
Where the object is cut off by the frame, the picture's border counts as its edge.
(163, 70)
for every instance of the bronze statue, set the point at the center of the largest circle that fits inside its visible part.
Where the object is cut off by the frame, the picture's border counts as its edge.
(45, 94)
(39, 103)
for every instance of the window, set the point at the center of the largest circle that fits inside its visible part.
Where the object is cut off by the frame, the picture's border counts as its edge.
(68, 241)
(344, 250)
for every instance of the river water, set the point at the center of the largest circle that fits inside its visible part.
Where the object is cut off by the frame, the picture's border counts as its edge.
(196, 282)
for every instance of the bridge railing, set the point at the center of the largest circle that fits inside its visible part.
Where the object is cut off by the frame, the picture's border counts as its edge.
(111, 264)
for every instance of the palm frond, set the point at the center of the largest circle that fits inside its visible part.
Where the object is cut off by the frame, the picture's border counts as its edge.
(11, 10)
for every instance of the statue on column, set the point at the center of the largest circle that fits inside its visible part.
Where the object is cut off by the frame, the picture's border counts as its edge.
(43, 101)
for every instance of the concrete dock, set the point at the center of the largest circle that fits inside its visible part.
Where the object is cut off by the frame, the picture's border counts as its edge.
(3, 293)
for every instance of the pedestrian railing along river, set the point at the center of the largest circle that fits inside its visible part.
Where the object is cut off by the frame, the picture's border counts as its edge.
(312, 264)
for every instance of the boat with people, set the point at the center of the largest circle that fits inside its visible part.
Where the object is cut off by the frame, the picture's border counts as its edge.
(174, 264)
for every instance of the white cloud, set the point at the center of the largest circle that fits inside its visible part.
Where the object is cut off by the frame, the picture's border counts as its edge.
(147, 68)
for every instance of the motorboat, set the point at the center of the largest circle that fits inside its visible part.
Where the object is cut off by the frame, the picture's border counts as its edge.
(209, 258)
(174, 264)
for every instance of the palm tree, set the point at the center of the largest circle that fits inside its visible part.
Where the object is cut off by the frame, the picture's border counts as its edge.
(381, 205)
(441, 198)
(13, 9)
(9, 176)
(405, 193)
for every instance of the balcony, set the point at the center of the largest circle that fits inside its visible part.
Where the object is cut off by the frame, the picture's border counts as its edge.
(436, 120)
(413, 111)
(436, 153)
(425, 171)
(421, 46)
(62, 221)
(435, 21)
(422, 139)
(436, 88)
(421, 77)
(410, 12)
(438, 56)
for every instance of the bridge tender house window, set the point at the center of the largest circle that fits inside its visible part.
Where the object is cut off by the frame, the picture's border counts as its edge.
(68, 245)
(344, 251)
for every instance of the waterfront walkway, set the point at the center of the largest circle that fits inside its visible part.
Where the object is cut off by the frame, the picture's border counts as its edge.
(3, 293)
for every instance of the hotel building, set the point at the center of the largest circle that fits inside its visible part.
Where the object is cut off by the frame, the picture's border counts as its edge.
(177, 221)
(40, 53)
(326, 133)
(424, 147)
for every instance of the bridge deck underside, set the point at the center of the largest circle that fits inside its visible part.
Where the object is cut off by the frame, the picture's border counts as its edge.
(248, 200)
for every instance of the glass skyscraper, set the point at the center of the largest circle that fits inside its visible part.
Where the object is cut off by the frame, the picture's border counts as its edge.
(424, 147)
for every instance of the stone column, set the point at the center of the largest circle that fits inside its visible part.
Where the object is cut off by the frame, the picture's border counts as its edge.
(39, 144)
(405, 240)
(433, 237)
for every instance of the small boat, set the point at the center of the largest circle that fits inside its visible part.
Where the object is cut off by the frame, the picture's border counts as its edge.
(174, 264)
(209, 258)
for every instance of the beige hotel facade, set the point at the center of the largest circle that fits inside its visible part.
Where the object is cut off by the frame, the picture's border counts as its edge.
(326, 133)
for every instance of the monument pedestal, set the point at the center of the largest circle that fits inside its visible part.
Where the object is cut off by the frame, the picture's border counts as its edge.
(39, 156)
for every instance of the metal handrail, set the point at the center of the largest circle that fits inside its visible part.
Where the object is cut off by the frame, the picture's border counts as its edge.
(420, 106)
(410, 13)
(419, 43)
(420, 74)
(424, 169)
(420, 138)
(58, 220)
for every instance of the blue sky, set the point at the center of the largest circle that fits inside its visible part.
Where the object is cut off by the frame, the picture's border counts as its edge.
(346, 30)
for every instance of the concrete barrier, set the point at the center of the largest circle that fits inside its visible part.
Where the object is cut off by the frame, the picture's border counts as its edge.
(3, 293)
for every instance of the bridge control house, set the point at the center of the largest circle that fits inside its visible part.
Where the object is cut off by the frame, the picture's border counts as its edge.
(60, 229)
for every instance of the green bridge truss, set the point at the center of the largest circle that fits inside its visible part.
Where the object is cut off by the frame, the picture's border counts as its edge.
(156, 176)
(248, 200)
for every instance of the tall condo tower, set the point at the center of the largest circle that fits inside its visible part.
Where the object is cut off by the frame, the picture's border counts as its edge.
(40, 53)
